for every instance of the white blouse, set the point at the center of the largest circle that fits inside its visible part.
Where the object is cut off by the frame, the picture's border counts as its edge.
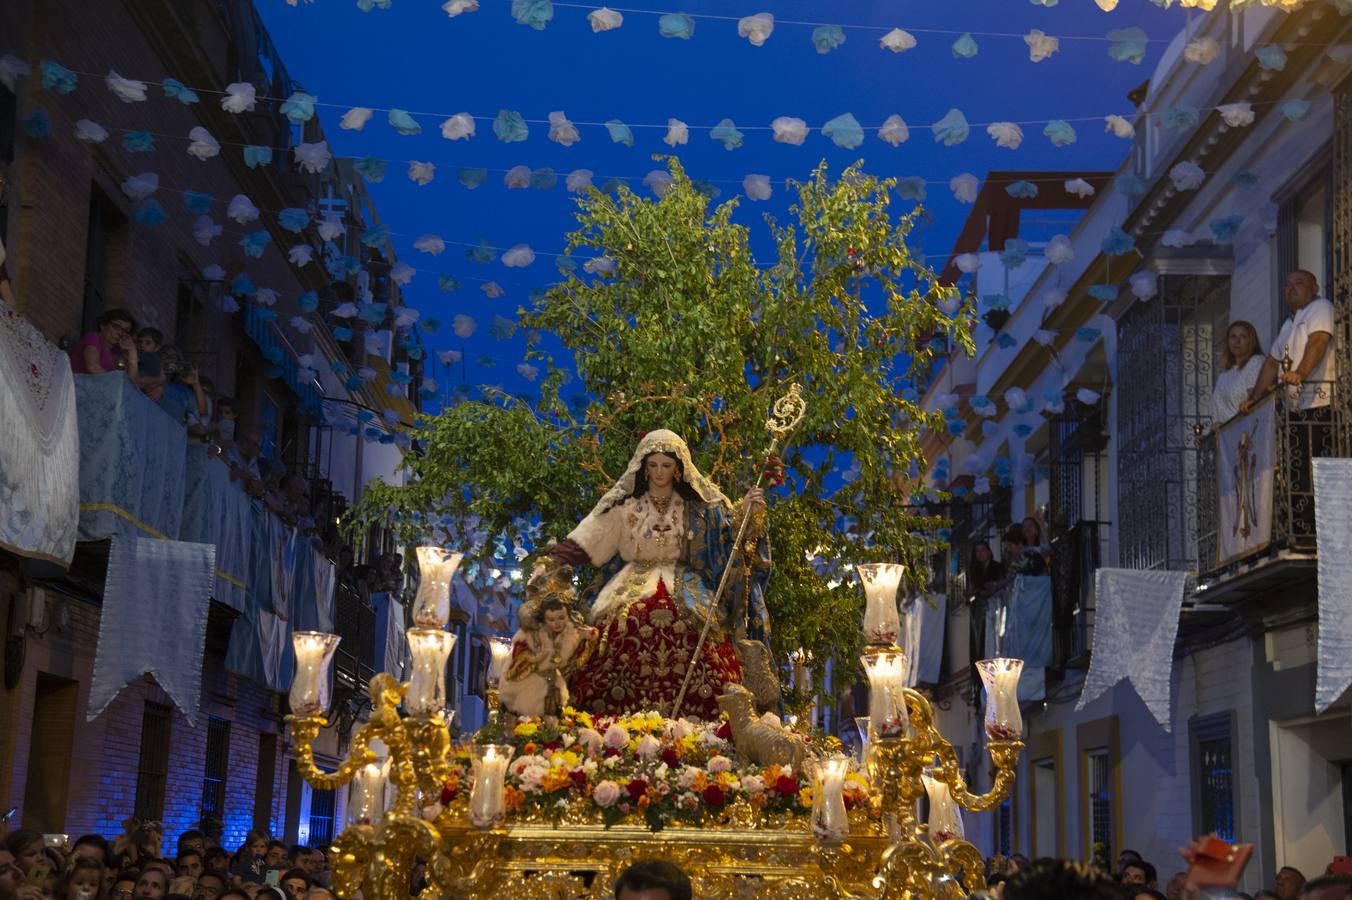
(650, 541)
(1232, 389)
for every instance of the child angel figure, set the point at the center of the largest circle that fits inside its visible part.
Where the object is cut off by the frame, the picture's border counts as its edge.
(547, 649)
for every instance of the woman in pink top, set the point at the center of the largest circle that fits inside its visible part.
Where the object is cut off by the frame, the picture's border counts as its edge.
(96, 351)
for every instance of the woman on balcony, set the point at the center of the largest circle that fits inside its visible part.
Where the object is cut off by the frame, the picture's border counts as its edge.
(102, 350)
(986, 571)
(1241, 363)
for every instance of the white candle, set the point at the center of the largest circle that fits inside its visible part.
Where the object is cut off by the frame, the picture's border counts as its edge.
(830, 823)
(429, 649)
(945, 820)
(1000, 677)
(486, 804)
(882, 624)
(802, 674)
(314, 658)
(501, 649)
(432, 607)
(366, 797)
(887, 712)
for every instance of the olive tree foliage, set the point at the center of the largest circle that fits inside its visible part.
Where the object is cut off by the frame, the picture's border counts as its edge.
(678, 326)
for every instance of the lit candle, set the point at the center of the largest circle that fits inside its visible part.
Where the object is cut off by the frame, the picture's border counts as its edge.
(429, 649)
(314, 658)
(501, 648)
(1000, 677)
(432, 606)
(945, 820)
(366, 797)
(486, 804)
(829, 822)
(882, 624)
(887, 713)
(802, 675)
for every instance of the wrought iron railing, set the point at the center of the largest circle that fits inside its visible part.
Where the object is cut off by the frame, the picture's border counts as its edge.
(1076, 553)
(354, 622)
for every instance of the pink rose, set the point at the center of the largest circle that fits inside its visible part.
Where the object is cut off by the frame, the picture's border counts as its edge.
(753, 784)
(606, 793)
(616, 737)
(648, 747)
(719, 764)
(591, 739)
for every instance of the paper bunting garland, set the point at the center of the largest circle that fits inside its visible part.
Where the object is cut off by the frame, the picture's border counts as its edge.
(533, 13)
(1127, 45)
(299, 107)
(827, 37)
(1187, 176)
(604, 19)
(1040, 46)
(132, 141)
(458, 127)
(1059, 133)
(455, 8)
(1006, 134)
(894, 131)
(757, 187)
(1119, 126)
(313, 158)
(677, 133)
(125, 89)
(255, 156)
(788, 130)
(676, 25)
(239, 97)
(1079, 187)
(756, 29)
(176, 90)
(1236, 115)
(562, 131)
(509, 126)
(56, 77)
(620, 133)
(952, 129)
(403, 123)
(726, 133)
(964, 187)
(965, 47)
(844, 131)
(421, 173)
(898, 41)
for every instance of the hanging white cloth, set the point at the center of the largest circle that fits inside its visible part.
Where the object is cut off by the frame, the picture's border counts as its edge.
(1333, 527)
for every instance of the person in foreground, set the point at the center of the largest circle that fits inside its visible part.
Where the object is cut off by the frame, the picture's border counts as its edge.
(653, 879)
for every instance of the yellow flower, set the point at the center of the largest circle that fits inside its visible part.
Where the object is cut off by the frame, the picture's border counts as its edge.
(526, 729)
(805, 797)
(570, 759)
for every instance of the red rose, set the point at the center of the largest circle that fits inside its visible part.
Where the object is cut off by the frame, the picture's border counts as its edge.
(551, 746)
(724, 731)
(786, 785)
(637, 788)
(579, 779)
(670, 758)
(611, 751)
(713, 795)
(448, 794)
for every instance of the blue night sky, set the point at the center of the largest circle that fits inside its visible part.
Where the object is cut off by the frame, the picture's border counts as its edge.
(413, 56)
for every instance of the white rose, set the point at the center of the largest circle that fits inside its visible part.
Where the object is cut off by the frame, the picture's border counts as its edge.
(606, 793)
(590, 738)
(648, 747)
(719, 764)
(616, 737)
(753, 784)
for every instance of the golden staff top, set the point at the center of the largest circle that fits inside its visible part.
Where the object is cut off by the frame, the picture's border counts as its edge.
(785, 416)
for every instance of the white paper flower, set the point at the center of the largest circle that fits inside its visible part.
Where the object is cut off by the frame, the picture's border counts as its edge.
(454, 8)
(90, 132)
(464, 326)
(127, 91)
(600, 265)
(313, 158)
(1087, 397)
(492, 290)
(1236, 115)
(139, 187)
(518, 257)
(604, 19)
(1045, 337)
(788, 130)
(757, 187)
(421, 173)
(677, 133)
(11, 70)
(895, 130)
(1079, 187)
(1201, 50)
(213, 272)
(964, 187)
(1187, 176)
(240, 97)
(241, 210)
(402, 273)
(430, 243)
(561, 131)
(1016, 399)
(1059, 250)
(355, 119)
(658, 181)
(330, 229)
(1176, 238)
(1053, 298)
(530, 373)
(302, 324)
(204, 230)
(1006, 134)
(1119, 126)
(898, 41)
(757, 28)
(265, 296)
(579, 180)
(517, 178)
(1040, 46)
(1144, 284)
(202, 144)
(458, 126)
(300, 254)
(967, 262)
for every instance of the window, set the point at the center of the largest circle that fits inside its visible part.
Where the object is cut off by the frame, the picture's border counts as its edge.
(1100, 802)
(321, 818)
(1305, 229)
(153, 765)
(217, 764)
(105, 240)
(1100, 790)
(264, 781)
(1046, 789)
(1213, 766)
(1004, 828)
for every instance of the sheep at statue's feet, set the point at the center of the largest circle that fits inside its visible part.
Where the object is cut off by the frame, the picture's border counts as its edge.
(756, 740)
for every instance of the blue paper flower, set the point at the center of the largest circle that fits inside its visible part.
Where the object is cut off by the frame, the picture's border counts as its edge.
(676, 25)
(1117, 242)
(56, 77)
(39, 124)
(255, 242)
(620, 133)
(198, 204)
(912, 188)
(150, 213)
(951, 129)
(1244, 178)
(1225, 229)
(1023, 430)
(367, 5)
(1015, 253)
(509, 126)
(533, 13)
(964, 47)
(242, 286)
(353, 383)
(1059, 132)
(1181, 118)
(403, 123)
(399, 377)
(447, 284)
(176, 90)
(339, 368)
(373, 313)
(544, 179)
(308, 302)
(431, 325)
(376, 236)
(293, 219)
(263, 314)
(726, 133)
(371, 168)
(471, 178)
(1086, 335)
(1127, 44)
(255, 156)
(827, 38)
(1272, 58)
(1295, 110)
(343, 333)
(844, 131)
(1106, 293)
(299, 107)
(957, 426)
(1129, 185)
(707, 188)
(1004, 341)
(138, 142)
(1023, 190)
(483, 253)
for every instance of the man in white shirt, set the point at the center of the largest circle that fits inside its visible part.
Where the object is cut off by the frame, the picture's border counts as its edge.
(1305, 339)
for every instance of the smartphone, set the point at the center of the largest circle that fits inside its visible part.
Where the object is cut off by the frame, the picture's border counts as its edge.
(38, 875)
(9, 814)
(274, 877)
(55, 840)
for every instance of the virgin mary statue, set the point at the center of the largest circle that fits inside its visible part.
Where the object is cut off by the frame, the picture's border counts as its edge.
(661, 538)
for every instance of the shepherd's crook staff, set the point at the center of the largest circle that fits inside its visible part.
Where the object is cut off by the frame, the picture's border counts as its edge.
(784, 418)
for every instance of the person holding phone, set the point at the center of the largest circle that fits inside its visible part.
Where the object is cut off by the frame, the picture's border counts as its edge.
(29, 850)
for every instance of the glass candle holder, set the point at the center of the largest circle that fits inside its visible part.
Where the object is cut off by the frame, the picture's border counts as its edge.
(486, 797)
(429, 648)
(1000, 676)
(888, 717)
(830, 823)
(432, 606)
(314, 660)
(945, 819)
(366, 796)
(882, 624)
(801, 660)
(501, 656)
(865, 737)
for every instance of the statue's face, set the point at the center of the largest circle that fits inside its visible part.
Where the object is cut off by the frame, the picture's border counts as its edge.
(556, 620)
(661, 471)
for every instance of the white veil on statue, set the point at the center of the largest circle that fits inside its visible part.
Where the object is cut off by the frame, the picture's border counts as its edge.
(670, 443)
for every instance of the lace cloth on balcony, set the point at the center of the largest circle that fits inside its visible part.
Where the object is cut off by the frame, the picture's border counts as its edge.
(1019, 625)
(217, 511)
(1333, 527)
(39, 444)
